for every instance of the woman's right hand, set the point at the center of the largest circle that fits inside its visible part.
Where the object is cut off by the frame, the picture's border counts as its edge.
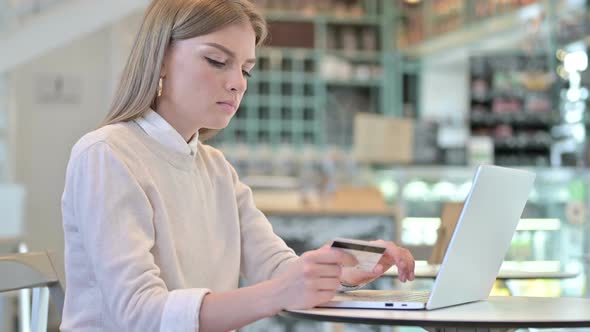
(313, 279)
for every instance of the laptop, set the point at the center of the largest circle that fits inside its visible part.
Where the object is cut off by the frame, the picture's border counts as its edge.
(475, 253)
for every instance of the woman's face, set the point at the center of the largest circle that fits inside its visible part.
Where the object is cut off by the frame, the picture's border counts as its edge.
(204, 78)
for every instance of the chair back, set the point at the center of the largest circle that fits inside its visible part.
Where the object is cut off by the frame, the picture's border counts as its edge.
(449, 217)
(36, 270)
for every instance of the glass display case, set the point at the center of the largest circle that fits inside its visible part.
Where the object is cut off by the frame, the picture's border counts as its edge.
(550, 235)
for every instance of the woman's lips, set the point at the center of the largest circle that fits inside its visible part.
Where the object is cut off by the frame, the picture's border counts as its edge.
(228, 106)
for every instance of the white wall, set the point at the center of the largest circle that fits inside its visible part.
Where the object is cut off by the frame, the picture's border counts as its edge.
(46, 131)
(122, 35)
(4, 135)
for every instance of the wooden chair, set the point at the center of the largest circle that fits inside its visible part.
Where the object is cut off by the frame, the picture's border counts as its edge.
(449, 217)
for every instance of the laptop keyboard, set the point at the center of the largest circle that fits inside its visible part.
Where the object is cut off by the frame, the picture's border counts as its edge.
(390, 296)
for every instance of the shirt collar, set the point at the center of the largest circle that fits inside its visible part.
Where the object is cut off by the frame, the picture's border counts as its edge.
(156, 127)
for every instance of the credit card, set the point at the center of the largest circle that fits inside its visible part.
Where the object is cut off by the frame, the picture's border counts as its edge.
(367, 254)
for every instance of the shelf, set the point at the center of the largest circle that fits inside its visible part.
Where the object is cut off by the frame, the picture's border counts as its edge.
(345, 201)
(364, 20)
(273, 15)
(290, 94)
(516, 144)
(518, 120)
(508, 25)
(292, 52)
(284, 16)
(369, 56)
(476, 32)
(521, 119)
(371, 83)
(283, 101)
(499, 94)
(275, 75)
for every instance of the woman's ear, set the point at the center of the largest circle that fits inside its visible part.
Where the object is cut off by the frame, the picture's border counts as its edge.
(165, 63)
(163, 70)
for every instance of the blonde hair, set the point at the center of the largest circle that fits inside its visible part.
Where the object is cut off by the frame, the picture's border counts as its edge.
(164, 22)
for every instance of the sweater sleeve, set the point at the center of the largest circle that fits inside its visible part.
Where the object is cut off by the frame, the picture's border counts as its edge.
(115, 220)
(264, 254)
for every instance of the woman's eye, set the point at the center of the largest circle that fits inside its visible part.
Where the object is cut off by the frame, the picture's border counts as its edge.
(220, 64)
(215, 63)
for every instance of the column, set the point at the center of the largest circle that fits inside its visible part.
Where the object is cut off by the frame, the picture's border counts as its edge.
(4, 107)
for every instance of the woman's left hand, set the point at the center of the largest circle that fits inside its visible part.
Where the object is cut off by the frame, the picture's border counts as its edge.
(393, 255)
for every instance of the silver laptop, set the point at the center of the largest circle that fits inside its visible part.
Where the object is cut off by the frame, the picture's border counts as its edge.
(475, 253)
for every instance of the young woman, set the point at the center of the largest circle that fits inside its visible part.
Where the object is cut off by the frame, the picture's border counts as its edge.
(158, 228)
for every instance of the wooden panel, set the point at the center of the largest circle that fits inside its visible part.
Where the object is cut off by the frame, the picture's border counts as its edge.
(291, 34)
(345, 201)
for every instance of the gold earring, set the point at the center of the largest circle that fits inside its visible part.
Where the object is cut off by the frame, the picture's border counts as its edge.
(160, 87)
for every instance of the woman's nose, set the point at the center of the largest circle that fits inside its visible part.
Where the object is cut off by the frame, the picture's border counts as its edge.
(237, 82)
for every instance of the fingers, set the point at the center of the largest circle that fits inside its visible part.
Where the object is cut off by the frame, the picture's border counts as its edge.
(325, 284)
(399, 256)
(347, 259)
(327, 255)
(322, 271)
(354, 276)
(406, 265)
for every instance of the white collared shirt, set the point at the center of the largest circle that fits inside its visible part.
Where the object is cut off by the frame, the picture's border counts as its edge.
(158, 128)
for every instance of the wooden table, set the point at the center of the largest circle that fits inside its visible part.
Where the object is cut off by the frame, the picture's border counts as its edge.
(495, 314)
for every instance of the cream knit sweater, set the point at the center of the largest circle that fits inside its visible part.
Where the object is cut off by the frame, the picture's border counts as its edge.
(151, 226)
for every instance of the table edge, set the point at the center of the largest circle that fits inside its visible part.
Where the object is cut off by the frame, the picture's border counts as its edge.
(430, 323)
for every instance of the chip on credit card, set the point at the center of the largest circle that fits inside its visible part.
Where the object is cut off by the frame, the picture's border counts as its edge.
(367, 254)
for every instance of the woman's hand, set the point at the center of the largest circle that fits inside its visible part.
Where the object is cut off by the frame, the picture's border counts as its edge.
(313, 279)
(393, 255)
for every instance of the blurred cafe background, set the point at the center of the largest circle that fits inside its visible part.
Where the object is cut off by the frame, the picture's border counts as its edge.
(363, 119)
